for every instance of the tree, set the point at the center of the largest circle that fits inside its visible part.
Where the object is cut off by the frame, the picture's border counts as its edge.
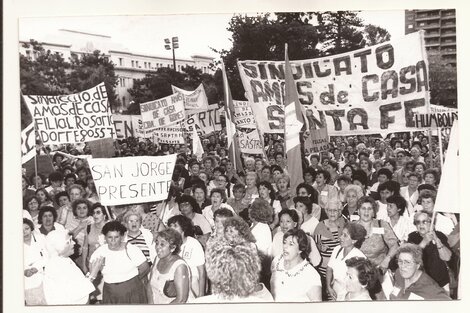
(339, 31)
(374, 35)
(158, 85)
(263, 37)
(443, 80)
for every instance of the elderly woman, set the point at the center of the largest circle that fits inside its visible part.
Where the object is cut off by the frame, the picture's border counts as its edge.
(293, 278)
(283, 193)
(139, 236)
(411, 283)
(47, 220)
(400, 222)
(251, 191)
(436, 249)
(289, 219)
(123, 267)
(218, 199)
(327, 234)
(327, 192)
(233, 270)
(192, 252)
(34, 261)
(64, 283)
(351, 239)
(352, 193)
(266, 192)
(381, 243)
(361, 277)
(170, 279)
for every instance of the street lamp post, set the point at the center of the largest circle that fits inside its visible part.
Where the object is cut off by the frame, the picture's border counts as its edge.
(174, 44)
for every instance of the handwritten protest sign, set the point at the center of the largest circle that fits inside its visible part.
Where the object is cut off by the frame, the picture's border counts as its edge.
(205, 122)
(249, 142)
(129, 126)
(316, 141)
(195, 99)
(170, 135)
(74, 118)
(132, 179)
(162, 112)
(366, 91)
(243, 115)
(28, 143)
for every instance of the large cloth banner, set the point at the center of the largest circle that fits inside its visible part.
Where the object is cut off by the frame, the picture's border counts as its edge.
(132, 179)
(28, 143)
(243, 115)
(195, 99)
(170, 135)
(250, 142)
(373, 90)
(129, 126)
(205, 122)
(74, 118)
(162, 112)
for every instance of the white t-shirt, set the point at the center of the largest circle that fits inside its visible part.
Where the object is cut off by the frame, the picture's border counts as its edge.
(277, 248)
(294, 284)
(202, 222)
(309, 226)
(119, 266)
(262, 234)
(193, 254)
(403, 227)
(382, 211)
(338, 264)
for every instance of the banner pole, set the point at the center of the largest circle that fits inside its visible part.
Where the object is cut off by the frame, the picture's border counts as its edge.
(441, 157)
(36, 159)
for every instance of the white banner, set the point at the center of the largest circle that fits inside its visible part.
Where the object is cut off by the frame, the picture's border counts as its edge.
(129, 126)
(162, 112)
(249, 142)
(243, 115)
(205, 122)
(28, 143)
(170, 135)
(195, 99)
(130, 180)
(366, 91)
(74, 118)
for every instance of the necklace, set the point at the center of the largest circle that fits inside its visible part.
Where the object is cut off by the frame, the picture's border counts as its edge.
(287, 272)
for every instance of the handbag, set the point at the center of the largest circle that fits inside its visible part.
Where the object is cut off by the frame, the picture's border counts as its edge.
(169, 289)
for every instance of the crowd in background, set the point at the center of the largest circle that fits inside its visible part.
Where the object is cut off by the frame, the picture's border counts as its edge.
(361, 226)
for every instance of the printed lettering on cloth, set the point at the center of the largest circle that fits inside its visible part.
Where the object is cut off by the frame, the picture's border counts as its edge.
(195, 99)
(367, 91)
(171, 135)
(205, 122)
(243, 115)
(162, 112)
(250, 142)
(130, 180)
(129, 126)
(75, 118)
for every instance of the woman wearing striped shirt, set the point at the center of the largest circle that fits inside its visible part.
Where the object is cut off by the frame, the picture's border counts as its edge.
(327, 238)
(138, 236)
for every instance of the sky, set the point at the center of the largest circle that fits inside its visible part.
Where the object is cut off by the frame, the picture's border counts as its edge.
(197, 33)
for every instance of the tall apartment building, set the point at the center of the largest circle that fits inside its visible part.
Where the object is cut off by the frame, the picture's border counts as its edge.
(440, 27)
(128, 65)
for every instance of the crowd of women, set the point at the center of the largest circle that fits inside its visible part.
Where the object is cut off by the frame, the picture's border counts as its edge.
(361, 226)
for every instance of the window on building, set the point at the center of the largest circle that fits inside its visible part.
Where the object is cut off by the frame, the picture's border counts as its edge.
(132, 62)
(124, 102)
(136, 63)
(120, 61)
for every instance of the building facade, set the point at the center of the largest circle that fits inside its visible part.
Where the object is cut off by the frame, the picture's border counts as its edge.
(128, 65)
(441, 32)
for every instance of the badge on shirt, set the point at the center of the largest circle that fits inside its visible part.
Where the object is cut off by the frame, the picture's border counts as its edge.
(414, 296)
(354, 218)
(324, 193)
(395, 291)
(378, 230)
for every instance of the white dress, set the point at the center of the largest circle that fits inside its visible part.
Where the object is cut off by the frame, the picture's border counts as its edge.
(294, 284)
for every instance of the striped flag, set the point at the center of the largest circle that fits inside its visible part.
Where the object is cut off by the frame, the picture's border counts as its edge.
(232, 136)
(293, 123)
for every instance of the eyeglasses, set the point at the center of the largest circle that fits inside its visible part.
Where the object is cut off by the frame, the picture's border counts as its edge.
(405, 262)
(422, 222)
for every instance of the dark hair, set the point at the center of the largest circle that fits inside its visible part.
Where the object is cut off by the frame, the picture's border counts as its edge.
(392, 162)
(31, 178)
(302, 239)
(276, 167)
(114, 226)
(200, 186)
(399, 201)
(219, 169)
(419, 163)
(305, 201)
(81, 201)
(326, 175)
(29, 223)
(223, 212)
(185, 223)
(333, 164)
(241, 226)
(390, 185)
(316, 156)
(28, 200)
(426, 187)
(61, 194)
(239, 186)
(434, 173)
(360, 176)
(172, 237)
(48, 196)
(311, 171)
(348, 165)
(386, 172)
(269, 186)
(368, 199)
(56, 176)
(187, 198)
(310, 190)
(366, 272)
(292, 213)
(219, 191)
(99, 205)
(261, 211)
(174, 192)
(45, 209)
(356, 232)
(343, 178)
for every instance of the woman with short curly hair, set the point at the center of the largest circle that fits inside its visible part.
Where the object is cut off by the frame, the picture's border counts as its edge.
(361, 277)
